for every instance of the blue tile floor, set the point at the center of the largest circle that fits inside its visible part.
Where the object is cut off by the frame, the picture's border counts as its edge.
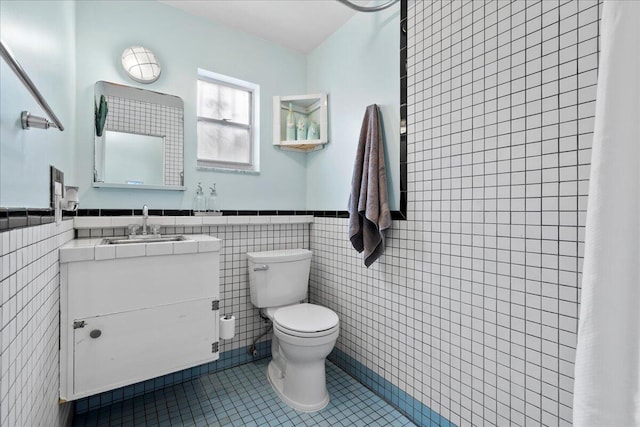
(242, 396)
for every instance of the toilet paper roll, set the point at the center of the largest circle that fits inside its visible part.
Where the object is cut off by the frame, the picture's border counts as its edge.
(227, 327)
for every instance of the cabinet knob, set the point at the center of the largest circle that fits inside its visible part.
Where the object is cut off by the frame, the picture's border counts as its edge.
(95, 333)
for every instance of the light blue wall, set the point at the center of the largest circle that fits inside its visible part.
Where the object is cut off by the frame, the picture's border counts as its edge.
(358, 66)
(183, 43)
(42, 37)
(67, 46)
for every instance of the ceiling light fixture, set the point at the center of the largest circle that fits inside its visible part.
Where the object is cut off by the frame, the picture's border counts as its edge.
(141, 64)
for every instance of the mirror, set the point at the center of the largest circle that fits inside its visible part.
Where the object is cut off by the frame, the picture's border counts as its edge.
(133, 159)
(141, 145)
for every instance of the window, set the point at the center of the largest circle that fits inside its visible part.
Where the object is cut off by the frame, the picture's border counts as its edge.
(228, 122)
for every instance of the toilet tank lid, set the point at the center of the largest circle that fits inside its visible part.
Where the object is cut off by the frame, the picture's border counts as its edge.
(282, 255)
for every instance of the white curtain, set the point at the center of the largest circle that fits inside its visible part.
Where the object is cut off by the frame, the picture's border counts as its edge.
(607, 376)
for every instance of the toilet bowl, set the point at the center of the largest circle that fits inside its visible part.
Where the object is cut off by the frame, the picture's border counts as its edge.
(304, 335)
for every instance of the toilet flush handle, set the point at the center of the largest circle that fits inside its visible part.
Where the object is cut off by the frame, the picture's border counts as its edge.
(261, 267)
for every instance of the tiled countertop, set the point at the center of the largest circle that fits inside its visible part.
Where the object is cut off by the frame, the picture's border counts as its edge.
(91, 249)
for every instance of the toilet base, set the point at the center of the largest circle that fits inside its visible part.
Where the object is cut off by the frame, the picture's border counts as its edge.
(277, 380)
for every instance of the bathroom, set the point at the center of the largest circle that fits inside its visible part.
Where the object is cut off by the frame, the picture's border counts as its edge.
(471, 314)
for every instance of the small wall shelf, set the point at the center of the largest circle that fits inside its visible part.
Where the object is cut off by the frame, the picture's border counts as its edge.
(312, 107)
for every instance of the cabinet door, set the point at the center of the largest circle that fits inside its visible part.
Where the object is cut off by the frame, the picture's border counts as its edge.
(125, 348)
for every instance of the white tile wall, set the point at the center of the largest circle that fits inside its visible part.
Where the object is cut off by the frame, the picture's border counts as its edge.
(29, 326)
(473, 308)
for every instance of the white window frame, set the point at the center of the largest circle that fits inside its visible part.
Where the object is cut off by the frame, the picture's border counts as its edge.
(254, 126)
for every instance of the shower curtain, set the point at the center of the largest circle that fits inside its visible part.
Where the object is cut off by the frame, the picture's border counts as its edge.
(607, 371)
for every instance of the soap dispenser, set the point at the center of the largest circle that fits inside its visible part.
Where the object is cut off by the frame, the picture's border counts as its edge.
(199, 201)
(212, 202)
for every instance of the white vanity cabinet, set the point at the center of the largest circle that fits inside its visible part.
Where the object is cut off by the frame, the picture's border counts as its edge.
(136, 311)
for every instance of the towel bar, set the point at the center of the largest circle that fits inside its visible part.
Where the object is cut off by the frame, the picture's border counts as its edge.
(27, 120)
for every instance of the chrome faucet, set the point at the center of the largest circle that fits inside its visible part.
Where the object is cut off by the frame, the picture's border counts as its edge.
(145, 217)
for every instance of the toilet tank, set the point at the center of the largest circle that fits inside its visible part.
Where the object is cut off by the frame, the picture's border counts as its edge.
(278, 277)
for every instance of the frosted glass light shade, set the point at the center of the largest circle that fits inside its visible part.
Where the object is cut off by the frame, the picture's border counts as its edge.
(141, 64)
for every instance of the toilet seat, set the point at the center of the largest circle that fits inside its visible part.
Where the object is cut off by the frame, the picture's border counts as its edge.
(306, 336)
(305, 320)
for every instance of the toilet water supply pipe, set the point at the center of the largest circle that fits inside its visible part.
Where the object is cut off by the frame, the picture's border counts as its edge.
(252, 348)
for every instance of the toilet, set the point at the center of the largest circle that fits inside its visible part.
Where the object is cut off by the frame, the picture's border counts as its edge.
(303, 334)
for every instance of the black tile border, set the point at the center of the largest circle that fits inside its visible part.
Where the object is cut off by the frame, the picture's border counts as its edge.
(12, 218)
(88, 212)
(177, 212)
(188, 212)
(404, 22)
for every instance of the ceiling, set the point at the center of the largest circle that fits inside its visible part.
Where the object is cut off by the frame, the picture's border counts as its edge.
(301, 25)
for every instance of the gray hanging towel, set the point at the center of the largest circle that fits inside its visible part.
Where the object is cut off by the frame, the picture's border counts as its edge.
(369, 214)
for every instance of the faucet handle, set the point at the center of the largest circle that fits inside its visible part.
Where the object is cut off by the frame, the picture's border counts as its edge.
(155, 228)
(133, 229)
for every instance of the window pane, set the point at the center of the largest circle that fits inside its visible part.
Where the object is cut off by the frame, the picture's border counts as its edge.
(223, 102)
(221, 143)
